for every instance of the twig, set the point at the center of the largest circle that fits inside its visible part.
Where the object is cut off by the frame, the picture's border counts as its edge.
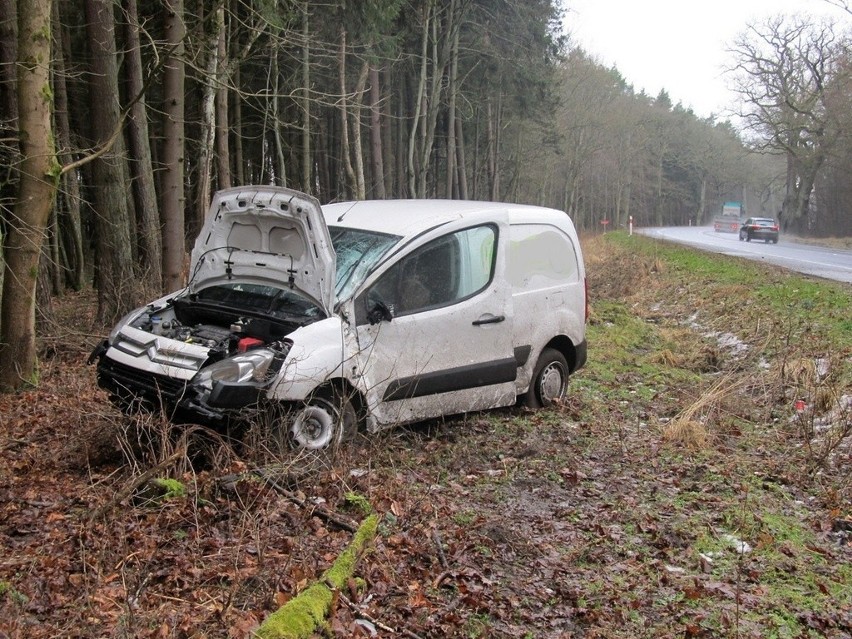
(439, 545)
(354, 608)
(139, 481)
(321, 512)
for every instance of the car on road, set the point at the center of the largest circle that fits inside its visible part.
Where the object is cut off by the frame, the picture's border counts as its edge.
(759, 228)
(317, 321)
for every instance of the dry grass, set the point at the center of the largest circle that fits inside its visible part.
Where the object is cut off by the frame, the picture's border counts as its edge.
(690, 427)
(690, 434)
(632, 273)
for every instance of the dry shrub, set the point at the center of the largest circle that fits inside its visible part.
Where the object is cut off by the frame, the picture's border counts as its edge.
(800, 372)
(688, 433)
(666, 357)
(690, 427)
(690, 352)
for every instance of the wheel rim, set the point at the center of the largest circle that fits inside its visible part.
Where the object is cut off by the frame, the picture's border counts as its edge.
(551, 385)
(315, 425)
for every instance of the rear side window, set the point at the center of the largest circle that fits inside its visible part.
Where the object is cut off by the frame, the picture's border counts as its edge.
(540, 256)
(442, 272)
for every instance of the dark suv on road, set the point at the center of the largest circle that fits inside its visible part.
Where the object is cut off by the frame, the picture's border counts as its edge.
(759, 228)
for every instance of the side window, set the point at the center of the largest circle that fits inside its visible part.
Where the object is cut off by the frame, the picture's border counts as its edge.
(540, 256)
(440, 273)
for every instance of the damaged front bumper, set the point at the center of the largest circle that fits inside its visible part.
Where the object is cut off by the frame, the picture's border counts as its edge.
(215, 395)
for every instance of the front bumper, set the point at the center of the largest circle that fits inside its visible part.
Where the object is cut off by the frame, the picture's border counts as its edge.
(134, 388)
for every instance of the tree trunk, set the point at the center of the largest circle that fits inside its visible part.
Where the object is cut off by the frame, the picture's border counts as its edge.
(280, 164)
(208, 123)
(118, 287)
(452, 179)
(69, 227)
(394, 157)
(172, 195)
(141, 167)
(345, 149)
(357, 103)
(8, 115)
(493, 131)
(239, 158)
(462, 166)
(411, 168)
(376, 151)
(8, 105)
(223, 152)
(307, 163)
(38, 179)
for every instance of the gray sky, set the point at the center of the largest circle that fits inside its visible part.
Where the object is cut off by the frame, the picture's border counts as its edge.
(679, 45)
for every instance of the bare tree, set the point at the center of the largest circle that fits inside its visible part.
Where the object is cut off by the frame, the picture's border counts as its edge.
(784, 69)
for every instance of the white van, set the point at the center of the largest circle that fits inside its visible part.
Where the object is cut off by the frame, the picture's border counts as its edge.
(372, 313)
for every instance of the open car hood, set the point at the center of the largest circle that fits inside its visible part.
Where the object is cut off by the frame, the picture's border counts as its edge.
(268, 234)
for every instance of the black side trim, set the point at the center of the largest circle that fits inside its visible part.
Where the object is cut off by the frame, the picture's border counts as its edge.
(522, 354)
(453, 379)
(580, 355)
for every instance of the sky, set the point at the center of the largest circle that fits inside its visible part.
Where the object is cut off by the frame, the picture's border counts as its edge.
(676, 45)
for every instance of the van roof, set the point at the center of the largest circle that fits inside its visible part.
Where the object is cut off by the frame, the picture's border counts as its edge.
(410, 217)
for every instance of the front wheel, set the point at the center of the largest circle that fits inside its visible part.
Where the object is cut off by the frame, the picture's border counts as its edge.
(550, 380)
(324, 421)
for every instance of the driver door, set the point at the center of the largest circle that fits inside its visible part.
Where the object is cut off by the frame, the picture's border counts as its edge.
(448, 346)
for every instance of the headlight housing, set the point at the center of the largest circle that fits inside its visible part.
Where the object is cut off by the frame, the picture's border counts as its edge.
(251, 367)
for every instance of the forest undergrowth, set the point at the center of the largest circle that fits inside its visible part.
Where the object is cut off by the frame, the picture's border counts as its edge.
(695, 483)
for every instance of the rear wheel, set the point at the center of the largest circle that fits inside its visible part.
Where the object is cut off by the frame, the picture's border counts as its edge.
(325, 420)
(549, 381)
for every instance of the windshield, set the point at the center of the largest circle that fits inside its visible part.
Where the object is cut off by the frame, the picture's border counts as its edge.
(358, 251)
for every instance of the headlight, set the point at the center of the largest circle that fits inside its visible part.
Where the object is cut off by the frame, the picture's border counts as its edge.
(243, 368)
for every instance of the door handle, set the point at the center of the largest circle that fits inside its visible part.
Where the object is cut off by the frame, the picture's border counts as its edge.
(494, 319)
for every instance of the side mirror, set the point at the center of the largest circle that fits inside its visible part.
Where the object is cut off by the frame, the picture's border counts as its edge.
(379, 312)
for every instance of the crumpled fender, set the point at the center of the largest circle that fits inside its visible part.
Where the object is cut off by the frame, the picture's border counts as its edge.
(317, 355)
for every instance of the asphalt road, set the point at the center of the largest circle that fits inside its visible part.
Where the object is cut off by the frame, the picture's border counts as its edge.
(819, 261)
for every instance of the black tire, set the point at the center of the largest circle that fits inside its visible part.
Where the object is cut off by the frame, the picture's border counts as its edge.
(775, 241)
(549, 381)
(325, 420)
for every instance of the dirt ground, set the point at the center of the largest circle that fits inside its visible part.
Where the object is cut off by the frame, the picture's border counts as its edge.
(672, 495)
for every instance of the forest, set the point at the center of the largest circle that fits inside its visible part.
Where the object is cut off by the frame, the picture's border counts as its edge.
(119, 119)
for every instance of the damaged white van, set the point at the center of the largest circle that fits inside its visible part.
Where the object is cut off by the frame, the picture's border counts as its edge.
(361, 314)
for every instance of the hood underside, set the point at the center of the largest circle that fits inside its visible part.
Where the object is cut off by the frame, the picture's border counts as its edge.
(267, 234)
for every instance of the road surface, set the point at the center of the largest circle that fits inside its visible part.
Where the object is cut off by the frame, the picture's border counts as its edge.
(820, 261)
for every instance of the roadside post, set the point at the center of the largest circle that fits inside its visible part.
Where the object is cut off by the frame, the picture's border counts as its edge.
(630, 224)
(604, 222)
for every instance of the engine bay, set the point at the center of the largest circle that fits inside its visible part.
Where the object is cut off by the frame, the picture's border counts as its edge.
(224, 331)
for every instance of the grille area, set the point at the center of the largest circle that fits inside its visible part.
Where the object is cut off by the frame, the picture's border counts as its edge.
(129, 382)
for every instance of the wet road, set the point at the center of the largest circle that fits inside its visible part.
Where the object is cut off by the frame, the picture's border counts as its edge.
(820, 261)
